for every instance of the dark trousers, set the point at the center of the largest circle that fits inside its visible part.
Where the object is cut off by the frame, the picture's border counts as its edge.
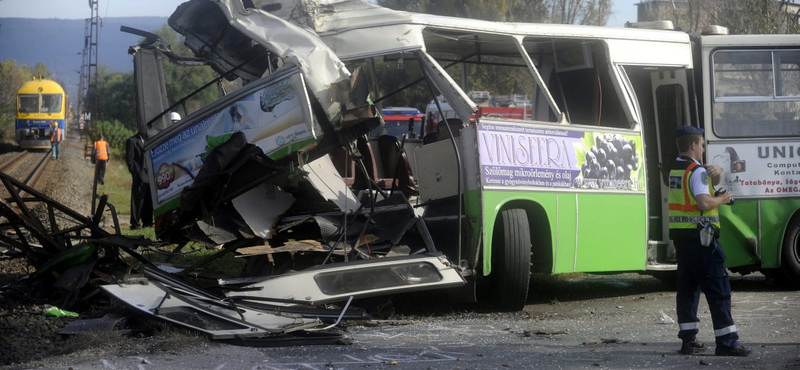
(141, 203)
(703, 269)
(56, 149)
(101, 170)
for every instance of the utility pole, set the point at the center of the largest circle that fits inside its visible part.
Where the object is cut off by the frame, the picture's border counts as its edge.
(90, 94)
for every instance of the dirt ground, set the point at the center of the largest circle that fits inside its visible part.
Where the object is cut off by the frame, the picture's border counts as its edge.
(28, 338)
(589, 307)
(26, 334)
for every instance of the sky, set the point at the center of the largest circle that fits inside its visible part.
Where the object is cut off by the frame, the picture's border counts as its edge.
(624, 10)
(79, 9)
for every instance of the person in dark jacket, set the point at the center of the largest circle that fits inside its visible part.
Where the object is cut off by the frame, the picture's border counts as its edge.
(141, 202)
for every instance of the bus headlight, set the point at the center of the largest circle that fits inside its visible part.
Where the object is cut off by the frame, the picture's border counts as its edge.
(377, 278)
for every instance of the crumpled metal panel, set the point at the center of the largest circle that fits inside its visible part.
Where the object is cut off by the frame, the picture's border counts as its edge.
(359, 279)
(196, 313)
(205, 32)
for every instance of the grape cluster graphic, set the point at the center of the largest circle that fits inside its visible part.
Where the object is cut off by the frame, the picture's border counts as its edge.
(612, 157)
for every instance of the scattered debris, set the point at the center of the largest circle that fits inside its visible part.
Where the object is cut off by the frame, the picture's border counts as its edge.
(107, 323)
(533, 332)
(57, 312)
(665, 318)
(606, 341)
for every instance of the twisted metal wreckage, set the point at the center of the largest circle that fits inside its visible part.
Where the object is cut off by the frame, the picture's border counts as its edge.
(252, 172)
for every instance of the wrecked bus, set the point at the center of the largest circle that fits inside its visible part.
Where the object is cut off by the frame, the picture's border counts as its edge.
(282, 170)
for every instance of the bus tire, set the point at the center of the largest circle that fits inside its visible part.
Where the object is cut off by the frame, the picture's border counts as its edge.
(511, 260)
(790, 255)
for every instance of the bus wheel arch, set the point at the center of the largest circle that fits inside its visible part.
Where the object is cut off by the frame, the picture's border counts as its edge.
(516, 252)
(790, 252)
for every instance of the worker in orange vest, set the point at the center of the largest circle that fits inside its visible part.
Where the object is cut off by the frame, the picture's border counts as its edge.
(102, 156)
(55, 141)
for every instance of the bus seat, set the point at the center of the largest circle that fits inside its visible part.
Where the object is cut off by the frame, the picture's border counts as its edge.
(430, 138)
(368, 155)
(455, 124)
(343, 164)
(348, 169)
(395, 162)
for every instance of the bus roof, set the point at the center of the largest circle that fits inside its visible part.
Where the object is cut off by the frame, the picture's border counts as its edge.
(712, 41)
(352, 25)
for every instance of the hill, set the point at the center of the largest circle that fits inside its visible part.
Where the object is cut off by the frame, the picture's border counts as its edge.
(58, 43)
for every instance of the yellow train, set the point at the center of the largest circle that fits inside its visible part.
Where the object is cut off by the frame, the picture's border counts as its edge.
(41, 103)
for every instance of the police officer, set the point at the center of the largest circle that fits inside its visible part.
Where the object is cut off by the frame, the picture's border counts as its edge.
(692, 206)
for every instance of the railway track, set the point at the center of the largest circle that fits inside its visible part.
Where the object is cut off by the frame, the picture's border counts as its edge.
(29, 178)
(14, 160)
(16, 168)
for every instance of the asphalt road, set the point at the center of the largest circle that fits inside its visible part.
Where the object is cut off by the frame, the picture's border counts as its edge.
(613, 322)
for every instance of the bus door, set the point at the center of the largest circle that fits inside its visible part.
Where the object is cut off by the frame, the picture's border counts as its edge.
(671, 109)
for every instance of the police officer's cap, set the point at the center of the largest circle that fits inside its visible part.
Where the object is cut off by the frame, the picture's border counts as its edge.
(688, 130)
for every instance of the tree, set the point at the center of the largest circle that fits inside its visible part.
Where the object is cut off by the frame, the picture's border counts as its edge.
(752, 17)
(594, 12)
(182, 81)
(117, 91)
(587, 12)
(741, 17)
(12, 76)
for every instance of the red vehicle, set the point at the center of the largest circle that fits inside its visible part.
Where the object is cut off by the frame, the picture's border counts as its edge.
(399, 121)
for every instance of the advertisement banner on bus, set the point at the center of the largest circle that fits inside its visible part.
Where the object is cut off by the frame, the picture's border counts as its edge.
(559, 158)
(274, 118)
(758, 169)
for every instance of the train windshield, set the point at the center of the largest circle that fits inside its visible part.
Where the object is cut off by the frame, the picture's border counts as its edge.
(29, 103)
(51, 103)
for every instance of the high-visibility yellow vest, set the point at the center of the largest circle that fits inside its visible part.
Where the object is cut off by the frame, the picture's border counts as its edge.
(684, 216)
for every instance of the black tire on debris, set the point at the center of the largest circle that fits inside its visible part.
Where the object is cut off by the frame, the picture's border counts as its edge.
(790, 255)
(511, 260)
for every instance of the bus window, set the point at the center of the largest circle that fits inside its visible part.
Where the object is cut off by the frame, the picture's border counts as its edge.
(587, 89)
(756, 93)
(788, 78)
(29, 103)
(669, 99)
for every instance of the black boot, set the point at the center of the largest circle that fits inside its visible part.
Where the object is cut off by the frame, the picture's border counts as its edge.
(738, 350)
(691, 347)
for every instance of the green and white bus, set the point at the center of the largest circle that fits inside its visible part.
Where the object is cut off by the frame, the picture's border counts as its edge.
(750, 99)
(579, 185)
(582, 185)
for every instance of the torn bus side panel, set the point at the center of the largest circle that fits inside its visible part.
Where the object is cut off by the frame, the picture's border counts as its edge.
(264, 132)
(266, 146)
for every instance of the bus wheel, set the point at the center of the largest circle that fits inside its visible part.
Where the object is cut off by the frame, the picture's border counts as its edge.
(790, 256)
(511, 260)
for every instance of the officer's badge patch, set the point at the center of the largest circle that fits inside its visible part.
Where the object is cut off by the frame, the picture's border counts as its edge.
(705, 178)
(675, 182)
